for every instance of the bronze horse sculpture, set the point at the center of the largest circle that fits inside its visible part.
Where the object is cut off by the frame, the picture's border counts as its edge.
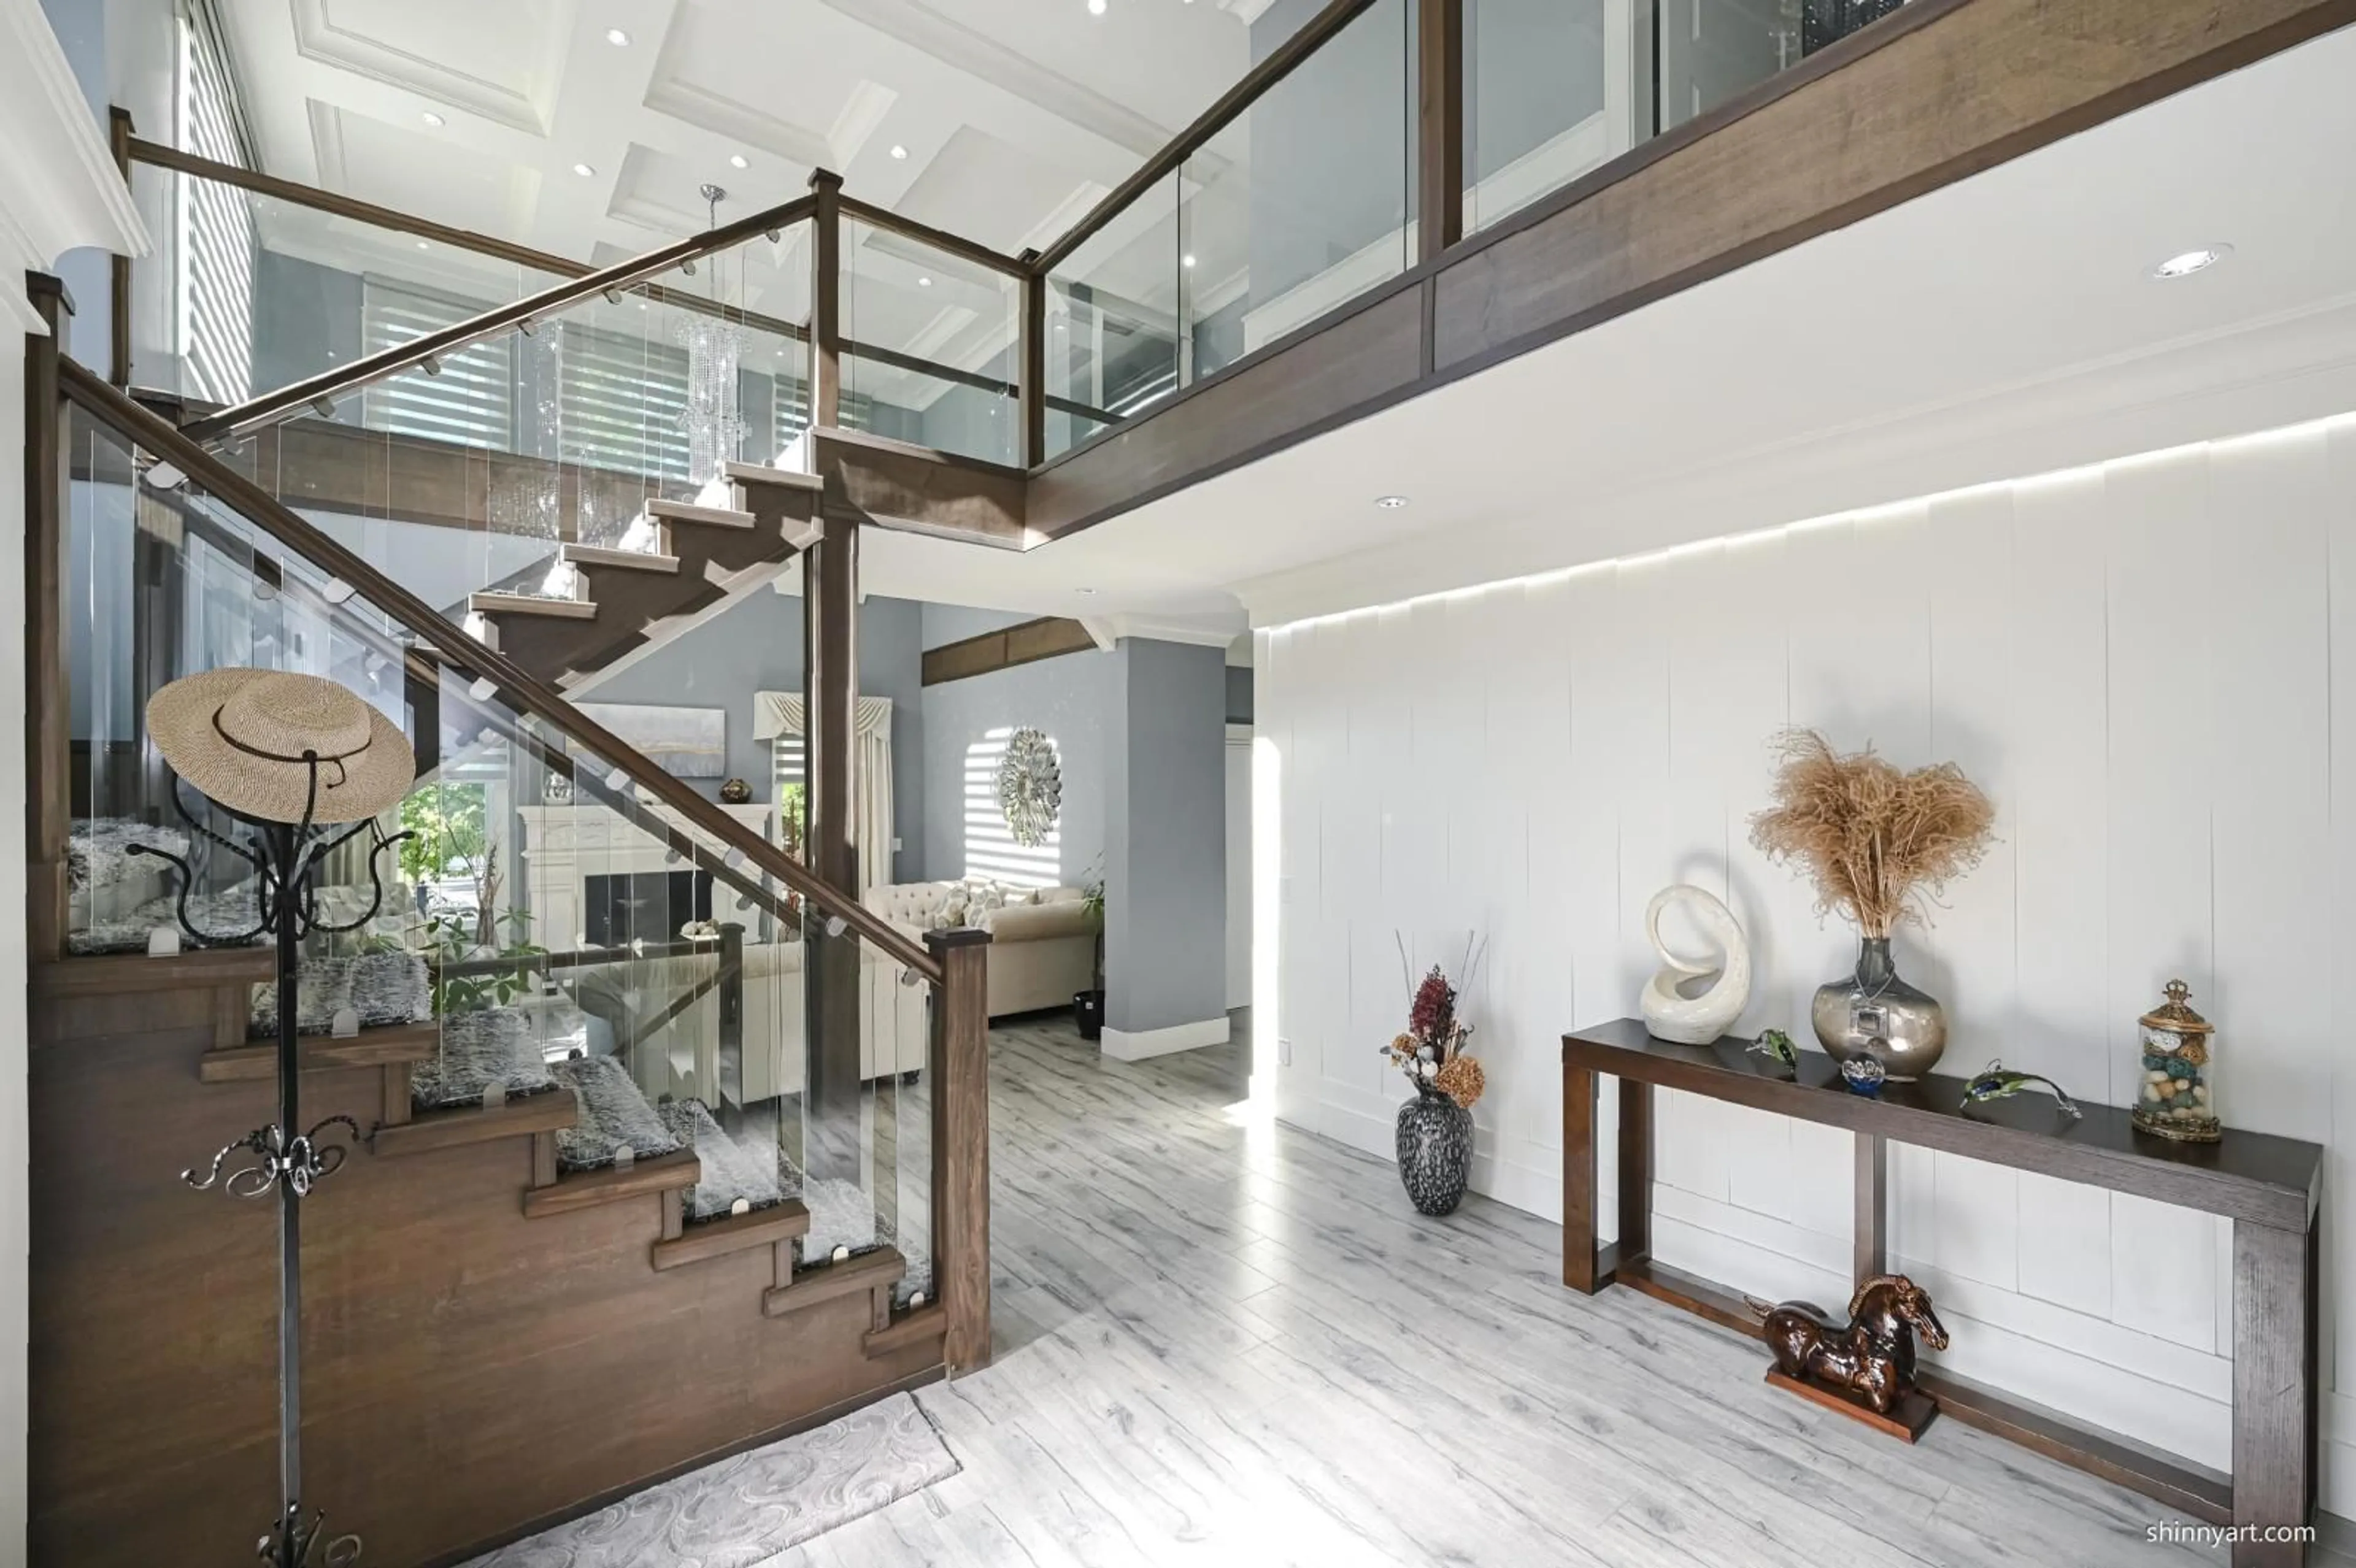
(1874, 1356)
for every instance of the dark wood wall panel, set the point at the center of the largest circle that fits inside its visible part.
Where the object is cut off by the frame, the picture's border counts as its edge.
(1957, 88)
(469, 1372)
(916, 488)
(1361, 362)
(1045, 638)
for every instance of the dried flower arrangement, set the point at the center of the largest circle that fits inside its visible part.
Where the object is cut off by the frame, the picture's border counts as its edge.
(1874, 840)
(1431, 1049)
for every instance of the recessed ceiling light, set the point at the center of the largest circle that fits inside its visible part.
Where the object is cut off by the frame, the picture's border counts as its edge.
(424, 245)
(899, 152)
(1095, 8)
(1390, 503)
(1084, 591)
(618, 38)
(923, 282)
(432, 119)
(738, 160)
(2185, 264)
(583, 170)
(1188, 259)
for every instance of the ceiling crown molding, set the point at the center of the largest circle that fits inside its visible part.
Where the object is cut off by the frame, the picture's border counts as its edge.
(1201, 631)
(317, 38)
(922, 27)
(59, 188)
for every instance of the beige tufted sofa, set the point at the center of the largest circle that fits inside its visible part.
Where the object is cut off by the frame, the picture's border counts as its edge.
(1042, 949)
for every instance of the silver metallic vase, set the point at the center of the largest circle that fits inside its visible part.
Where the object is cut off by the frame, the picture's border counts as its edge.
(1874, 1013)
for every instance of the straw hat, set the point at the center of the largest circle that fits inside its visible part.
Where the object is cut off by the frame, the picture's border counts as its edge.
(240, 736)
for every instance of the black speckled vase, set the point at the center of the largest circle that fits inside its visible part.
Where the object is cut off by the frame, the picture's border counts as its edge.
(1435, 1151)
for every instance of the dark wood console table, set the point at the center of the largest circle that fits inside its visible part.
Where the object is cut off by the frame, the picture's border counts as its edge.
(2269, 1187)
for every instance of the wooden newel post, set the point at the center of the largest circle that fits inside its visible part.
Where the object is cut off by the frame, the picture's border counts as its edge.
(959, 1066)
(48, 696)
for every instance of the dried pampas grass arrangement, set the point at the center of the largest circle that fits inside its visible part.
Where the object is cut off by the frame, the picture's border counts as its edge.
(1873, 839)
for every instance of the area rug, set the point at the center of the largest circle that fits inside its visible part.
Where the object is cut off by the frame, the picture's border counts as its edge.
(744, 1510)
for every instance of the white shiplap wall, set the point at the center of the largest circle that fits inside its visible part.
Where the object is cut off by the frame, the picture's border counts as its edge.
(2148, 667)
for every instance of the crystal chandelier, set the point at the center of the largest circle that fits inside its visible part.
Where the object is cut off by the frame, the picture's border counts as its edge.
(713, 418)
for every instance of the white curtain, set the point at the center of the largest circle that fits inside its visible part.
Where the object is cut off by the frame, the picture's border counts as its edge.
(777, 713)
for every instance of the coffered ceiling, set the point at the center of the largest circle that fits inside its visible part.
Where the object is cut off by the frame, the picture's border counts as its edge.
(1011, 117)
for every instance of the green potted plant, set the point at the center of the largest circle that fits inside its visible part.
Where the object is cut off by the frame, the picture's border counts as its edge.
(1089, 1006)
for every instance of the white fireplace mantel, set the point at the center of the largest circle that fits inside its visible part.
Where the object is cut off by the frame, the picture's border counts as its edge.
(564, 846)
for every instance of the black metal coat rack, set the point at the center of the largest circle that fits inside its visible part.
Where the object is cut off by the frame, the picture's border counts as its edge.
(283, 855)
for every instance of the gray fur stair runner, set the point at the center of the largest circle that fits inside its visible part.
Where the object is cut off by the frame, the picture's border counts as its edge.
(381, 988)
(731, 1171)
(479, 1050)
(614, 1115)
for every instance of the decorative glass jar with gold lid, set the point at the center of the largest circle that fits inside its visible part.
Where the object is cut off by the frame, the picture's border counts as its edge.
(2176, 1095)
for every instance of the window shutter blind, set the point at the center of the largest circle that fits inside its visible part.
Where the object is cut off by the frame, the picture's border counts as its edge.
(217, 239)
(471, 402)
(624, 403)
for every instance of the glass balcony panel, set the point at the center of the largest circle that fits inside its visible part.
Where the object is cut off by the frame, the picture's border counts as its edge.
(1112, 321)
(932, 346)
(1306, 200)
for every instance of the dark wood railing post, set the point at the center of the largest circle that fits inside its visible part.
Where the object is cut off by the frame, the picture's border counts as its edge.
(1440, 132)
(730, 1044)
(960, 1067)
(119, 132)
(826, 302)
(1032, 375)
(830, 674)
(48, 710)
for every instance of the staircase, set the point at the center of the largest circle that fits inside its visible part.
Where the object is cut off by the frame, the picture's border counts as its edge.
(601, 1224)
(675, 561)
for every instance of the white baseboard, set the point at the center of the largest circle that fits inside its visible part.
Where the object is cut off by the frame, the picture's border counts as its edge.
(1123, 1046)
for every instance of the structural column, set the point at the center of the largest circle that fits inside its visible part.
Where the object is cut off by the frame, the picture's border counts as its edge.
(830, 673)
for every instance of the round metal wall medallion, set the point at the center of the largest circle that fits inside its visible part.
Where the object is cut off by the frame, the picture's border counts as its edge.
(1030, 786)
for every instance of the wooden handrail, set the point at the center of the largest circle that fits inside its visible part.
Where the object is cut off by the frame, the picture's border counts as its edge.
(158, 155)
(372, 367)
(939, 238)
(520, 690)
(1247, 91)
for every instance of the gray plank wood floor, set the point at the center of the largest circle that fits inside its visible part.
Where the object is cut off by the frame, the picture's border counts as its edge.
(1222, 1341)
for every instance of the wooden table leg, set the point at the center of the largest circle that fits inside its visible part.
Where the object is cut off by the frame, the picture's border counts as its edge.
(1579, 1180)
(1635, 1171)
(2274, 1397)
(1869, 1234)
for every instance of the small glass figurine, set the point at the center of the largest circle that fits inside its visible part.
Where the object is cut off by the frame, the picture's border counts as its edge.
(1865, 1075)
(1998, 1082)
(2176, 1092)
(1776, 1046)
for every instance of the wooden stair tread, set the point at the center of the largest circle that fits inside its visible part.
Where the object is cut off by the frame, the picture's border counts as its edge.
(379, 1047)
(113, 973)
(734, 1233)
(829, 1282)
(691, 512)
(489, 603)
(762, 473)
(587, 1188)
(930, 1321)
(629, 559)
(431, 1130)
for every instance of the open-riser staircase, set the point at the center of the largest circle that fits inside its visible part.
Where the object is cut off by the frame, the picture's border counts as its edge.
(677, 563)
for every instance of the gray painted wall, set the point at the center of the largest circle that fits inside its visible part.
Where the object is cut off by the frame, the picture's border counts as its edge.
(757, 646)
(1074, 699)
(1165, 841)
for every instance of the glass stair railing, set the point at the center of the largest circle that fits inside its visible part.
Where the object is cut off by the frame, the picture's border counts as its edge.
(558, 921)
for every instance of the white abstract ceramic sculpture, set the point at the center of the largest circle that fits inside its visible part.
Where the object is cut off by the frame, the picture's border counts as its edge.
(1671, 1012)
